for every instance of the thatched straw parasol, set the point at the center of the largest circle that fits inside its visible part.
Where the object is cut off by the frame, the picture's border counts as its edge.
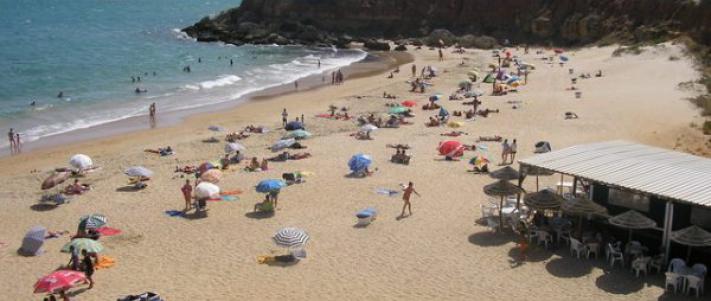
(692, 236)
(543, 200)
(582, 206)
(632, 220)
(536, 171)
(506, 173)
(502, 188)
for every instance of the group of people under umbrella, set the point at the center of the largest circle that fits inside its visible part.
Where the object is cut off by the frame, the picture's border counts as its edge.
(580, 206)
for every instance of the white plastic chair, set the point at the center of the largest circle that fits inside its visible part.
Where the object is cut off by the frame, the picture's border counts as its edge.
(592, 249)
(615, 255)
(577, 248)
(544, 238)
(492, 224)
(485, 211)
(674, 280)
(696, 283)
(676, 265)
(640, 265)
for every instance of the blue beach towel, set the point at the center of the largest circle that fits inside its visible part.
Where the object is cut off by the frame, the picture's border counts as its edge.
(175, 213)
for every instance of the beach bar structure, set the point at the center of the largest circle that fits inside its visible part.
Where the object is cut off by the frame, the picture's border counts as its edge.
(672, 188)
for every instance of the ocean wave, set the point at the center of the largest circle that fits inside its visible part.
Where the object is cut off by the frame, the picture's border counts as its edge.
(221, 81)
(181, 35)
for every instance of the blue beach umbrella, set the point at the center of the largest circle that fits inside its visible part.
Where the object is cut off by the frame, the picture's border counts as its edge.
(270, 185)
(294, 125)
(359, 162)
(443, 112)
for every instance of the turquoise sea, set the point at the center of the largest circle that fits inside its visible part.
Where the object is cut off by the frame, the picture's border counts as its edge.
(90, 49)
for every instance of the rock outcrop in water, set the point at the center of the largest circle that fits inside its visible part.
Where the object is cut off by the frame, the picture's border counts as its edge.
(479, 23)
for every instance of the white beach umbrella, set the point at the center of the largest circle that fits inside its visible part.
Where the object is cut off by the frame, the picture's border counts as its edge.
(207, 190)
(368, 128)
(138, 171)
(233, 147)
(290, 237)
(80, 161)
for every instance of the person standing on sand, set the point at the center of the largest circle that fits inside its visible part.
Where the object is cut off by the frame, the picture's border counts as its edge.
(284, 116)
(187, 191)
(441, 55)
(407, 192)
(414, 70)
(152, 110)
(18, 144)
(88, 267)
(303, 121)
(333, 78)
(11, 138)
(296, 84)
(505, 148)
(512, 150)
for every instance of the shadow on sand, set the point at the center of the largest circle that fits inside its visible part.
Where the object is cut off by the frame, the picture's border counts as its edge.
(491, 239)
(43, 207)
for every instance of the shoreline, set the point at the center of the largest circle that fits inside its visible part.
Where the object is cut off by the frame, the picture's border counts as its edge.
(374, 62)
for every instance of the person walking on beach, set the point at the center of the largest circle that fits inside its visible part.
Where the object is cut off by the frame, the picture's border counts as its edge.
(296, 85)
(18, 144)
(505, 149)
(187, 191)
(152, 110)
(88, 267)
(512, 150)
(303, 121)
(407, 192)
(11, 138)
(441, 55)
(414, 70)
(284, 117)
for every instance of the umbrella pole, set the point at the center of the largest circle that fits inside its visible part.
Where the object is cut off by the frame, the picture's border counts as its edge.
(536, 183)
(629, 236)
(688, 253)
(501, 216)
(580, 227)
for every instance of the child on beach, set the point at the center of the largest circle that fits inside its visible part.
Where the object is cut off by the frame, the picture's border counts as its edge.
(187, 191)
(407, 192)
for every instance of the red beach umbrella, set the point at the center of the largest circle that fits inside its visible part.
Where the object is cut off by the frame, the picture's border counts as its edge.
(409, 103)
(451, 148)
(558, 50)
(59, 280)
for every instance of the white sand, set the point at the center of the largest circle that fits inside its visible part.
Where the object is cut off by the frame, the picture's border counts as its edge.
(439, 253)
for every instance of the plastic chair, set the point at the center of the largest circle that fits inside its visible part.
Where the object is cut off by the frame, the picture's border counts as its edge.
(615, 255)
(640, 265)
(700, 269)
(676, 265)
(696, 283)
(485, 211)
(564, 235)
(492, 224)
(544, 238)
(592, 249)
(577, 248)
(674, 280)
(656, 263)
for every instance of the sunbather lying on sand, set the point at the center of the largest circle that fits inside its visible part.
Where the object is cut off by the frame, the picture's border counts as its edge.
(454, 134)
(485, 113)
(76, 188)
(571, 115)
(254, 129)
(188, 169)
(495, 138)
(433, 122)
(362, 135)
(287, 156)
(163, 151)
(232, 137)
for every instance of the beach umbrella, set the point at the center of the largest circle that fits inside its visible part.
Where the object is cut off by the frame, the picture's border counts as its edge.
(234, 147)
(282, 144)
(489, 79)
(138, 172)
(211, 176)
(368, 128)
(535, 171)
(474, 93)
(290, 237)
(692, 236)
(398, 110)
(473, 75)
(270, 185)
(205, 167)
(479, 161)
(558, 50)
(58, 281)
(512, 80)
(215, 128)
(88, 244)
(506, 173)
(294, 125)
(207, 190)
(543, 200)
(409, 103)
(502, 188)
(92, 221)
(436, 97)
(443, 112)
(359, 162)
(451, 148)
(632, 220)
(80, 161)
(297, 134)
(582, 206)
(55, 179)
(33, 241)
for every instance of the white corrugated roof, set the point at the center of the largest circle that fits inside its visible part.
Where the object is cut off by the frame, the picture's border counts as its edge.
(643, 168)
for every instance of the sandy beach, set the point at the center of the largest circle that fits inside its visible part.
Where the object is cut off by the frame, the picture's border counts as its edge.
(439, 252)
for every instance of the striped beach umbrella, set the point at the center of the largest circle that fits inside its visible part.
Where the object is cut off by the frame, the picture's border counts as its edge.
(290, 237)
(92, 221)
(79, 244)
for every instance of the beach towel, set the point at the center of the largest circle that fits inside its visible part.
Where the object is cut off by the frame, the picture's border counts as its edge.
(388, 192)
(105, 262)
(175, 213)
(108, 231)
(227, 198)
(231, 192)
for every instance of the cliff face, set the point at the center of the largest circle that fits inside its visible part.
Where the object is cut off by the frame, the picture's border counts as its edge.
(561, 21)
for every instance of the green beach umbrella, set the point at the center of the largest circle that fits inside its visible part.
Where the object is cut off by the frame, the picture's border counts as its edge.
(90, 245)
(398, 110)
(297, 134)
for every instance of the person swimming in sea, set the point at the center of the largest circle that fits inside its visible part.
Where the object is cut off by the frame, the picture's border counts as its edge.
(33, 103)
(139, 90)
(61, 94)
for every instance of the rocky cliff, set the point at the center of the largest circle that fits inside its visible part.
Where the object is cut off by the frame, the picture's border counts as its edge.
(466, 21)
